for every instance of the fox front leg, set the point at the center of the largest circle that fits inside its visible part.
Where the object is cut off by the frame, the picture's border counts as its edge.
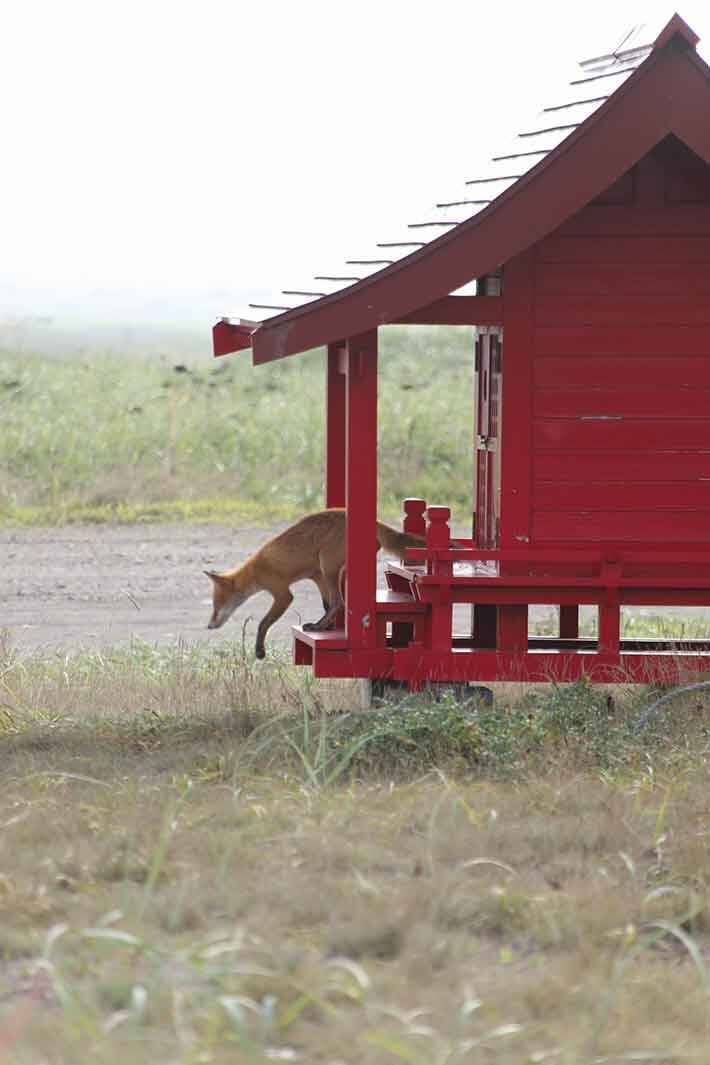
(279, 606)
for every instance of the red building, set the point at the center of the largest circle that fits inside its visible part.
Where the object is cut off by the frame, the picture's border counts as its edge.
(589, 246)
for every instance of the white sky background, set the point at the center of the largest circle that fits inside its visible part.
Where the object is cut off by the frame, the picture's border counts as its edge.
(193, 155)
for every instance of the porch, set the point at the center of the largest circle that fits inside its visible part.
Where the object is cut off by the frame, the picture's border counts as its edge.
(411, 623)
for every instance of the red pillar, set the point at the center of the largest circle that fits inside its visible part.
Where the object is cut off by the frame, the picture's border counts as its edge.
(516, 438)
(569, 622)
(335, 427)
(361, 488)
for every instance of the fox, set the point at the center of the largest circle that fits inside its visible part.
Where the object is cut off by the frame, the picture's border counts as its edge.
(313, 548)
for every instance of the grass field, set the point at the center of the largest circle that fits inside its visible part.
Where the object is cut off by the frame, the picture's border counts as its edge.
(205, 859)
(105, 438)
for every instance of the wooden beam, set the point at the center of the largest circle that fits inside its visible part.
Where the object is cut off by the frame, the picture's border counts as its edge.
(517, 400)
(334, 429)
(361, 489)
(230, 336)
(457, 310)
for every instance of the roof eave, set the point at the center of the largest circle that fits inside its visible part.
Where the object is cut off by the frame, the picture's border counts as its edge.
(384, 297)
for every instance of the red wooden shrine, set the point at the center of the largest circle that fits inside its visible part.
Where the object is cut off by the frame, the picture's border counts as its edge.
(591, 258)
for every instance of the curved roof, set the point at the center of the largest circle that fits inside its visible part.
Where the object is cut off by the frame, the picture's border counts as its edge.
(615, 108)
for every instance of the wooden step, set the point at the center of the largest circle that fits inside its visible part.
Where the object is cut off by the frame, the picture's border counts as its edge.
(330, 639)
(398, 603)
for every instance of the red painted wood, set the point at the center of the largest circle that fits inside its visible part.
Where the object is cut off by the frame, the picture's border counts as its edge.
(636, 434)
(569, 622)
(335, 422)
(606, 393)
(669, 92)
(599, 281)
(563, 495)
(686, 219)
(438, 537)
(458, 310)
(639, 373)
(620, 311)
(485, 625)
(516, 443)
(605, 250)
(537, 667)
(675, 554)
(572, 591)
(617, 340)
(487, 437)
(414, 516)
(659, 404)
(649, 526)
(361, 489)
(414, 522)
(678, 31)
(513, 628)
(615, 466)
(228, 337)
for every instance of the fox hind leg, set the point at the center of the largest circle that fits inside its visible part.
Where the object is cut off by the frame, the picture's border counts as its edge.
(320, 582)
(331, 580)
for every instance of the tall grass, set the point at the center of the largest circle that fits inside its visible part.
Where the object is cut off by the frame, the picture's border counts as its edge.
(208, 859)
(101, 436)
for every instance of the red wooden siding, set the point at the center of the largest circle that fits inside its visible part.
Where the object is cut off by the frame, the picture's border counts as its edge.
(621, 361)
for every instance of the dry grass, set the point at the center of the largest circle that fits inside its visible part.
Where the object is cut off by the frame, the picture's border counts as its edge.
(180, 883)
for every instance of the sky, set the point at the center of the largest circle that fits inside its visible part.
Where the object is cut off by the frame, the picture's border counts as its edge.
(181, 158)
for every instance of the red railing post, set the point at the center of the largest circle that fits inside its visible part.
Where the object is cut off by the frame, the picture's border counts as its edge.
(414, 521)
(438, 538)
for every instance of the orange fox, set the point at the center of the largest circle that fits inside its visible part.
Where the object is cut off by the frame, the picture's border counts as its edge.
(311, 549)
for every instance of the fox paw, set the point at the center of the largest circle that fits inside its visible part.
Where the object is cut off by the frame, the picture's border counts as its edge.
(260, 652)
(310, 626)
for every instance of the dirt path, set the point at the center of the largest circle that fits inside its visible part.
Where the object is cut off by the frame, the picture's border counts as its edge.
(91, 587)
(95, 586)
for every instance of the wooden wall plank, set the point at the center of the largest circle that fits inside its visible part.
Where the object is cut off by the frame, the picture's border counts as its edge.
(645, 403)
(668, 221)
(639, 372)
(634, 434)
(598, 495)
(622, 249)
(647, 526)
(605, 311)
(614, 466)
(634, 280)
(622, 341)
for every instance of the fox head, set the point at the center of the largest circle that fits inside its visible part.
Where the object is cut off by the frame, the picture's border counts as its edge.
(228, 592)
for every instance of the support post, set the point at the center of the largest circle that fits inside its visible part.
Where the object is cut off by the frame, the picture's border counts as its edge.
(569, 622)
(334, 428)
(610, 630)
(513, 629)
(516, 437)
(485, 625)
(361, 489)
